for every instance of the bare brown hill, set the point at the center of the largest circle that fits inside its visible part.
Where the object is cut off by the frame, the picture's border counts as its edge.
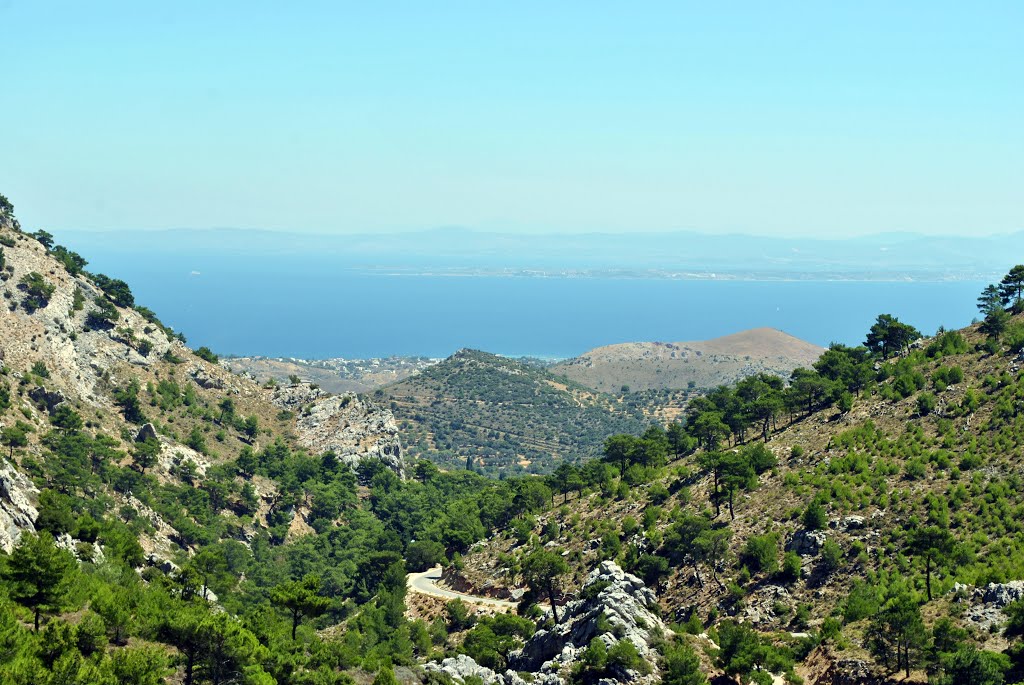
(699, 364)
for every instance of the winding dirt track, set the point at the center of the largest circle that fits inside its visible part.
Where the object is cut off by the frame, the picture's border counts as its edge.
(425, 583)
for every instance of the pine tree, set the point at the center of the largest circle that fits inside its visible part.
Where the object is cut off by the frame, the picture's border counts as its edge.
(39, 574)
(301, 599)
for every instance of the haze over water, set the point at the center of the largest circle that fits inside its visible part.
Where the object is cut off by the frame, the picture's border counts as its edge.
(310, 309)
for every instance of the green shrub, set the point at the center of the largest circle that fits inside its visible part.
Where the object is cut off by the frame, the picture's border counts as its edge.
(791, 567)
(207, 354)
(925, 403)
(815, 517)
(831, 556)
(38, 291)
(761, 553)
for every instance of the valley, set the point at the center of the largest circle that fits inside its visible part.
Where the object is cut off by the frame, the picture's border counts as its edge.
(842, 515)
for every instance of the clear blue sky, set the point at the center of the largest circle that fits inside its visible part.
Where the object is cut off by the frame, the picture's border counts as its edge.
(789, 118)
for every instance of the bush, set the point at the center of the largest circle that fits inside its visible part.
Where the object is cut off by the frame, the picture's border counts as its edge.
(458, 614)
(1014, 337)
(761, 553)
(38, 291)
(791, 567)
(116, 289)
(925, 403)
(423, 554)
(623, 654)
(681, 666)
(103, 316)
(815, 517)
(207, 354)
(831, 556)
(39, 369)
(658, 493)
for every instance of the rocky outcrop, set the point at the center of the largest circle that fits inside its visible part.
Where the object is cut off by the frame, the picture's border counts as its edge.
(46, 399)
(461, 667)
(986, 604)
(628, 607)
(204, 379)
(806, 543)
(17, 513)
(614, 605)
(350, 427)
(854, 672)
(1003, 594)
(147, 432)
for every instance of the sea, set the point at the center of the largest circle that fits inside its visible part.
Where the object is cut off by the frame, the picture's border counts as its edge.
(314, 309)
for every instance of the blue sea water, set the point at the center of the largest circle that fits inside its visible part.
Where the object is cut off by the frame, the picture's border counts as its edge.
(310, 309)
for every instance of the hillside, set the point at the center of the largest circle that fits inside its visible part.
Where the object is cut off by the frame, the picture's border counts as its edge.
(678, 366)
(893, 515)
(504, 415)
(163, 520)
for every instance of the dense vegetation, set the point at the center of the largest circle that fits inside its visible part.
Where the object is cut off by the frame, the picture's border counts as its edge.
(503, 416)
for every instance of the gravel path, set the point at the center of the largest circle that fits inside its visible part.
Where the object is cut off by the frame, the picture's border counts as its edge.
(425, 583)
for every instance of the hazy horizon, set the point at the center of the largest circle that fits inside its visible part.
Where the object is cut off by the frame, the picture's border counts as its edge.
(804, 119)
(528, 232)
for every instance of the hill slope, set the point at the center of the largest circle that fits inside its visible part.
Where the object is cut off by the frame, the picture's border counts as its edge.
(504, 415)
(159, 511)
(701, 364)
(892, 501)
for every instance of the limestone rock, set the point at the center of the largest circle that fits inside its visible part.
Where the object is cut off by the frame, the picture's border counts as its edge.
(461, 667)
(48, 399)
(628, 606)
(1003, 594)
(986, 604)
(352, 428)
(17, 512)
(848, 523)
(205, 379)
(806, 543)
(147, 432)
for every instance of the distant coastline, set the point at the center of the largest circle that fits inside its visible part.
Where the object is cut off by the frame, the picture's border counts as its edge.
(658, 274)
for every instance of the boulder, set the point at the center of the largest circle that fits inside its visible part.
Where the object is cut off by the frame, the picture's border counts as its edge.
(461, 667)
(806, 543)
(48, 399)
(848, 523)
(985, 605)
(147, 432)
(204, 379)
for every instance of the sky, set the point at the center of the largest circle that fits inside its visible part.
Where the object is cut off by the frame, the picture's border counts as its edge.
(770, 118)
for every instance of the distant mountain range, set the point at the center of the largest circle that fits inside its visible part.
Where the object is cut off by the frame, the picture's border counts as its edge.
(666, 255)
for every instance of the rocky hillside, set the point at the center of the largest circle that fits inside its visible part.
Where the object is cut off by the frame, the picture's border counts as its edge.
(678, 366)
(66, 345)
(891, 517)
(503, 415)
